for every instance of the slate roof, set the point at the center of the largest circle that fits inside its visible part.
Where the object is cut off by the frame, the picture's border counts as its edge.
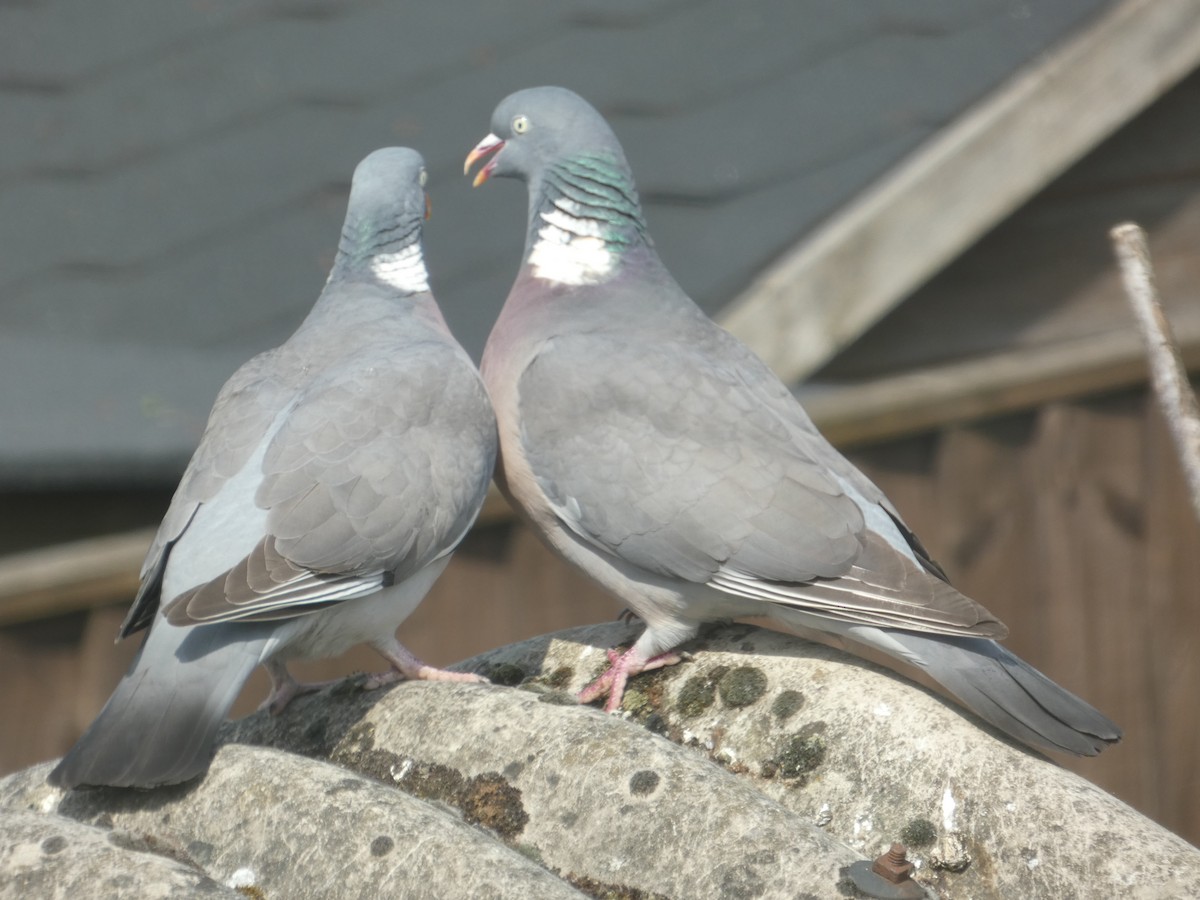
(172, 175)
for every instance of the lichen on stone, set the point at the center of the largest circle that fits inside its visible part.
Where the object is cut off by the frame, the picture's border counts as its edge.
(491, 801)
(557, 698)
(487, 799)
(918, 833)
(607, 891)
(636, 702)
(742, 686)
(506, 674)
(531, 852)
(560, 677)
(786, 704)
(799, 757)
(643, 782)
(696, 695)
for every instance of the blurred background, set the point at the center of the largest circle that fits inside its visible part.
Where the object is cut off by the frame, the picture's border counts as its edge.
(903, 207)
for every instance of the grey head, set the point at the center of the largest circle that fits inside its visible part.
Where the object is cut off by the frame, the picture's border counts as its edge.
(579, 180)
(381, 237)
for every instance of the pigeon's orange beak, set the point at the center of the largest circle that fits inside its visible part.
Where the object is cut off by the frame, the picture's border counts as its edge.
(428, 207)
(489, 145)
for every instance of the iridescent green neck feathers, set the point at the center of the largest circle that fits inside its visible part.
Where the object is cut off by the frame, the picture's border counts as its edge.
(584, 216)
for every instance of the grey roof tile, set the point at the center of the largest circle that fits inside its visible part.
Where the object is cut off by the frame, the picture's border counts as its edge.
(89, 398)
(172, 176)
(175, 199)
(714, 250)
(236, 282)
(60, 41)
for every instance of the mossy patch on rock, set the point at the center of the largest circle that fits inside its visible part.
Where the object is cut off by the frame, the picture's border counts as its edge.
(531, 852)
(560, 677)
(636, 702)
(607, 891)
(491, 801)
(506, 674)
(786, 704)
(742, 881)
(801, 754)
(918, 833)
(487, 799)
(558, 698)
(645, 699)
(742, 686)
(356, 751)
(698, 693)
(643, 783)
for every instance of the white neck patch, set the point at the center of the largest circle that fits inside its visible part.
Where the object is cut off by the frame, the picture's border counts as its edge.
(403, 270)
(570, 249)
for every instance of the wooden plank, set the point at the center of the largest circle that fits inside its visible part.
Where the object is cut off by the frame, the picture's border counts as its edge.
(1166, 623)
(100, 571)
(988, 386)
(78, 575)
(845, 277)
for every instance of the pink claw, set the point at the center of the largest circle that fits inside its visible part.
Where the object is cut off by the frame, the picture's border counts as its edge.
(405, 666)
(622, 666)
(285, 689)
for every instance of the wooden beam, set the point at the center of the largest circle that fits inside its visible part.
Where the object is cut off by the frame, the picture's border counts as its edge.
(79, 575)
(987, 386)
(66, 578)
(833, 286)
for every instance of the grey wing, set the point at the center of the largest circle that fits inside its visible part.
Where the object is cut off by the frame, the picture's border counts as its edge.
(668, 462)
(240, 418)
(700, 466)
(379, 469)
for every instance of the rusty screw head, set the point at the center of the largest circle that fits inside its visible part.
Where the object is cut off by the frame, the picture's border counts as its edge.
(893, 865)
(889, 877)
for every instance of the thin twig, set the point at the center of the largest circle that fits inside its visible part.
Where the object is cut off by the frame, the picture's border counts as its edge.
(1167, 372)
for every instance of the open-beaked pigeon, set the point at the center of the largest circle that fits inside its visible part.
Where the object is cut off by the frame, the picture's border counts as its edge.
(658, 454)
(336, 475)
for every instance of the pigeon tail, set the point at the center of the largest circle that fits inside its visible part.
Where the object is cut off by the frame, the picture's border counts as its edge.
(160, 725)
(978, 673)
(1001, 689)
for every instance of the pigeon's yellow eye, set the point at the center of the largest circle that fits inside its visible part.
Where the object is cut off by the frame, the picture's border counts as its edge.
(520, 125)
(424, 177)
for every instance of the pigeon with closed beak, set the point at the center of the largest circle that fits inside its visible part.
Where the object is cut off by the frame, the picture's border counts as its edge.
(658, 454)
(336, 475)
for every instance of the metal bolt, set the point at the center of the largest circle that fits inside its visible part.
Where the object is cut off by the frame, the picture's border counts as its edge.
(893, 865)
(888, 877)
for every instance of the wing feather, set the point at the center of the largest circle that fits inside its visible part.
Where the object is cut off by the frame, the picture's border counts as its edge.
(379, 468)
(712, 473)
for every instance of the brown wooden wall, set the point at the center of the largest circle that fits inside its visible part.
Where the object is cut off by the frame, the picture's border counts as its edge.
(1071, 523)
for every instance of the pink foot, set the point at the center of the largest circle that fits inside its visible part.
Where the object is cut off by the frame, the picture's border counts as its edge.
(406, 667)
(285, 688)
(622, 666)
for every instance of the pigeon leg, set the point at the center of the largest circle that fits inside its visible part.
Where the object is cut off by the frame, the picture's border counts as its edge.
(405, 666)
(621, 666)
(285, 688)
